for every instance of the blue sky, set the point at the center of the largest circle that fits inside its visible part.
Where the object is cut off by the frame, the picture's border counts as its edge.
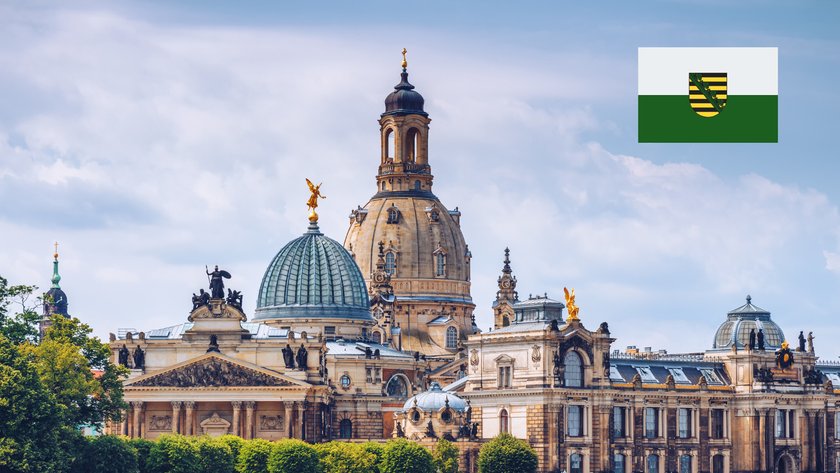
(151, 139)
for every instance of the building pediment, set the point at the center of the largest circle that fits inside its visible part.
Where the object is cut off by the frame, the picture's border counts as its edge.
(214, 370)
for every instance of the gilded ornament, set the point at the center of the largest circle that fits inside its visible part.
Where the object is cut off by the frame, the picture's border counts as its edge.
(571, 306)
(312, 203)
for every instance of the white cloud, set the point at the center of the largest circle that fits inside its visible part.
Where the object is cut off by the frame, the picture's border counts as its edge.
(163, 148)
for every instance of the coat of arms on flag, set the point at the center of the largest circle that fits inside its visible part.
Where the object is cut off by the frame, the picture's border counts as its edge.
(707, 92)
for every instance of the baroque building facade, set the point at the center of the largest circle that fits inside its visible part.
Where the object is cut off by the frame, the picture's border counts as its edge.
(375, 338)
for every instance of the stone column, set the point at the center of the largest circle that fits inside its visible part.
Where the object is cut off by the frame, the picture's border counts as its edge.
(176, 416)
(189, 421)
(288, 418)
(137, 408)
(301, 424)
(237, 406)
(249, 419)
(124, 423)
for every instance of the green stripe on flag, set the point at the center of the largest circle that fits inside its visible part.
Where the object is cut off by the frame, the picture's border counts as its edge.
(745, 119)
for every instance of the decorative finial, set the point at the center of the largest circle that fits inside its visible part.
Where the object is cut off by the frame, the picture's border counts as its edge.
(312, 203)
(571, 306)
(404, 61)
(55, 277)
(506, 268)
(55, 255)
(749, 299)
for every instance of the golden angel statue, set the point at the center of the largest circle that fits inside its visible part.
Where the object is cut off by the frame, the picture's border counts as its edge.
(312, 203)
(571, 307)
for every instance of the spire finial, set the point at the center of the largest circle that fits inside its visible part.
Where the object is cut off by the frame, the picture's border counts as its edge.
(55, 277)
(749, 299)
(404, 61)
(312, 203)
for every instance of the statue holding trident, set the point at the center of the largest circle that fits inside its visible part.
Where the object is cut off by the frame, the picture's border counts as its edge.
(570, 305)
(312, 203)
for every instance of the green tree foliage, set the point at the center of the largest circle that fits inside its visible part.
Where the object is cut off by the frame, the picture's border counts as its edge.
(403, 456)
(174, 454)
(234, 442)
(143, 447)
(445, 455)
(253, 456)
(215, 455)
(293, 456)
(22, 325)
(344, 457)
(507, 454)
(110, 454)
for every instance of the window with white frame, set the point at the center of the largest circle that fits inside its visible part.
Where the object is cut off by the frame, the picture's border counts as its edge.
(684, 423)
(651, 422)
(573, 374)
(574, 421)
(618, 463)
(618, 425)
(390, 263)
(451, 337)
(785, 421)
(504, 380)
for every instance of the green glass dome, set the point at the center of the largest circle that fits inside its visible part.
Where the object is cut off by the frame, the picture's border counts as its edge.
(312, 277)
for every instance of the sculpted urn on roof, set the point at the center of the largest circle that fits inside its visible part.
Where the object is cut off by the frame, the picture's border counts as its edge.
(424, 250)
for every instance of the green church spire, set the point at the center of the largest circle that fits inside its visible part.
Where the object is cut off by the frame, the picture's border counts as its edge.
(55, 277)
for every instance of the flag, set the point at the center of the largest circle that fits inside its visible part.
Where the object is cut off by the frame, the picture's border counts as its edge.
(708, 95)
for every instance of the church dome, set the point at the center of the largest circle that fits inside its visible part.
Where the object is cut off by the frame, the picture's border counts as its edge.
(404, 100)
(434, 400)
(739, 322)
(313, 276)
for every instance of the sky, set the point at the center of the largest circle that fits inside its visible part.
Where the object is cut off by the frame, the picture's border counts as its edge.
(153, 138)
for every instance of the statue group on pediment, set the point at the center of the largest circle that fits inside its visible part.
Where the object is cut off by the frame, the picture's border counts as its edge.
(211, 373)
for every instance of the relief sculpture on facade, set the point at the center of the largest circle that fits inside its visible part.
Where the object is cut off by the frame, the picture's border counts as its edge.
(211, 372)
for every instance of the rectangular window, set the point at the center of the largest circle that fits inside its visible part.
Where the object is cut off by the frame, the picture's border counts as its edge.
(504, 377)
(717, 423)
(684, 423)
(679, 376)
(618, 423)
(717, 464)
(711, 376)
(329, 333)
(646, 374)
(618, 463)
(575, 421)
(837, 425)
(685, 463)
(651, 422)
(785, 421)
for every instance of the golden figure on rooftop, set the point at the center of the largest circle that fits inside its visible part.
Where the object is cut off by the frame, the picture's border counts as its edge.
(570, 305)
(312, 203)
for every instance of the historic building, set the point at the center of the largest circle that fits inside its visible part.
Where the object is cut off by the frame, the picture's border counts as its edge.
(750, 403)
(375, 338)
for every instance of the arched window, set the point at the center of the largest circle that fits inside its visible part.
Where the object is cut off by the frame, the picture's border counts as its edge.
(618, 463)
(653, 464)
(573, 375)
(451, 337)
(389, 144)
(440, 264)
(411, 145)
(345, 429)
(397, 387)
(576, 463)
(503, 422)
(505, 321)
(383, 185)
(390, 263)
(685, 463)
(717, 464)
(393, 214)
(377, 337)
(417, 185)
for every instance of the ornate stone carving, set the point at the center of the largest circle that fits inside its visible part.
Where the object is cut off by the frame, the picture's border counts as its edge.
(271, 423)
(474, 357)
(211, 372)
(163, 423)
(214, 425)
(576, 342)
(536, 355)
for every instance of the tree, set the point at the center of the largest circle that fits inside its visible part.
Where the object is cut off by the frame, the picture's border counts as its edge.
(20, 326)
(293, 456)
(343, 457)
(403, 456)
(215, 455)
(445, 455)
(507, 454)
(174, 454)
(143, 447)
(110, 454)
(253, 456)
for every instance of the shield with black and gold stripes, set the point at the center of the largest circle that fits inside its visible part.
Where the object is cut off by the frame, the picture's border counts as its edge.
(707, 92)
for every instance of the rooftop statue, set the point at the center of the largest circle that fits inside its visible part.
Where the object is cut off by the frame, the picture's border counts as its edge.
(312, 203)
(217, 286)
(570, 305)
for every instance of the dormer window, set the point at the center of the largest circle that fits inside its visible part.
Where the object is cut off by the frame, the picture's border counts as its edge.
(451, 338)
(390, 263)
(393, 214)
(440, 262)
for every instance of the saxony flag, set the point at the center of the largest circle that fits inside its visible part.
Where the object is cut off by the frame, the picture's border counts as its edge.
(708, 95)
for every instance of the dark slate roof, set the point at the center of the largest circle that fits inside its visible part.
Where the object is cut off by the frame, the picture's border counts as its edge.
(404, 100)
(655, 371)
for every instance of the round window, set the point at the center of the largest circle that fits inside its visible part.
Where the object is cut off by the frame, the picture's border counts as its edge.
(415, 416)
(446, 416)
(345, 381)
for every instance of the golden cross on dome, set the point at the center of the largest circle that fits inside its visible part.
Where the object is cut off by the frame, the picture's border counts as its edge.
(404, 61)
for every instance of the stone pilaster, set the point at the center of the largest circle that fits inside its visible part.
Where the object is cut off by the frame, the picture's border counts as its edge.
(137, 415)
(237, 407)
(189, 422)
(249, 419)
(300, 420)
(176, 416)
(287, 418)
